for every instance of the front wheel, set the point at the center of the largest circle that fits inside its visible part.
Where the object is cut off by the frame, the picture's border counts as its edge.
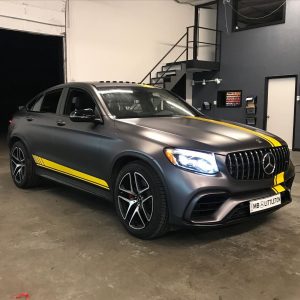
(141, 201)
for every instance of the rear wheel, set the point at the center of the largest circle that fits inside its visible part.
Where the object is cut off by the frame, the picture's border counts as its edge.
(140, 201)
(22, 166)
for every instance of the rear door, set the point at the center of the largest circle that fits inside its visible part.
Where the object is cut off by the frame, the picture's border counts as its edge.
(41, 122)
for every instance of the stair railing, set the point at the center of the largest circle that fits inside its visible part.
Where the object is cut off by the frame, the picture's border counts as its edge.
(168, 68)
(150, 72)
(187, 46)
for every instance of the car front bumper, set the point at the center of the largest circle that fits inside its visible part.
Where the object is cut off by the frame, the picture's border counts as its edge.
(233, 209)
(209, 201)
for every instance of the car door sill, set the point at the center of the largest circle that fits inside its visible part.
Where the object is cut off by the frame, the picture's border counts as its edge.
(74, 183)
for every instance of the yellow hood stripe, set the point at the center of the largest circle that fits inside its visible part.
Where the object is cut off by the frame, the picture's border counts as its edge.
(47, 164)
(272, 141)
(147, 85)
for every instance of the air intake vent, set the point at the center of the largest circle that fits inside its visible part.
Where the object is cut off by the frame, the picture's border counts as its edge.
(208, 205)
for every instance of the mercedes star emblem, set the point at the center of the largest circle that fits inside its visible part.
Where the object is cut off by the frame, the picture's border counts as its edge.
(269, 163)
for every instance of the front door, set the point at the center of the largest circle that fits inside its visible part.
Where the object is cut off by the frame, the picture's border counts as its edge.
(82, 147)
(280, 107)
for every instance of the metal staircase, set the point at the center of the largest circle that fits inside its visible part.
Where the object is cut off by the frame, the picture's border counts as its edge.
(167, 74)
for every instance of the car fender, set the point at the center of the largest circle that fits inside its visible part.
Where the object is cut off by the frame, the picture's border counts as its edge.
(150, 161)
(20, 138)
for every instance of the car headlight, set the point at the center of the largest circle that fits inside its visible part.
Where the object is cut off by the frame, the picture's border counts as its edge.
(200, 162)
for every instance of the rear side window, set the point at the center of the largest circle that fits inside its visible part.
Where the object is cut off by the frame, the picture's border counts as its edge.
(46, 103)
(50, 101)
(35, 104)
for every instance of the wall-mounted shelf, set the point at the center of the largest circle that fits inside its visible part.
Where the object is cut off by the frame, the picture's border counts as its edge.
(250, 110)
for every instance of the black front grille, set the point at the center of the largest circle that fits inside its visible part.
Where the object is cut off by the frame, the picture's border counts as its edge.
(248, 165)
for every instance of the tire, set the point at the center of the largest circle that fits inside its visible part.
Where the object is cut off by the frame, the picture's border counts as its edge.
(22, 166)
(140, 201)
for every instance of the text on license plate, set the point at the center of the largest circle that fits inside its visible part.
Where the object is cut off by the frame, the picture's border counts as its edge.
(265, 203)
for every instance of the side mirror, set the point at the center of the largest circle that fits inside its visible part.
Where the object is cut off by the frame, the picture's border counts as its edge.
(84, 115)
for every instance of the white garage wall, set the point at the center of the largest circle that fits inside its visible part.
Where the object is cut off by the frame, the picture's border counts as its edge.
(122, 40)
(39, 16)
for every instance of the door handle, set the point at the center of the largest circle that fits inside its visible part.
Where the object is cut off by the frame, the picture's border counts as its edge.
(61, 123)
(29, 119)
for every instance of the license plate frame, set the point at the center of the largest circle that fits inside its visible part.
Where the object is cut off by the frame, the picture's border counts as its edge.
(264, 203)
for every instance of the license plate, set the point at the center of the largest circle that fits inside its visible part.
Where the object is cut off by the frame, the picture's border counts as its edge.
(265, 203)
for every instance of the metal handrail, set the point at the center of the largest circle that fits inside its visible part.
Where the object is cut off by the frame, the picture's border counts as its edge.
(164, 57)
(186, 50)
(206, 28)
(173, 63)
(205, 43)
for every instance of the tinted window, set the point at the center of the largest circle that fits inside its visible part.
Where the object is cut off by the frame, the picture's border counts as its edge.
(249, 14)
(140, 102)
(50, 101)
(45, 103)
(35, 104)
(78, 99)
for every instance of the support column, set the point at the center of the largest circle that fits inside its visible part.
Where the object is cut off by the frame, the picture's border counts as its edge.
(189, 88)
(195, 38)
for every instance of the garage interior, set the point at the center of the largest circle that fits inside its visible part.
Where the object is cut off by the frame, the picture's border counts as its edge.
(59, 243)
(27, 58)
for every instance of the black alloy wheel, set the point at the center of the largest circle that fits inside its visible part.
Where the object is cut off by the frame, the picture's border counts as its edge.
(140, 201)
(22, 166)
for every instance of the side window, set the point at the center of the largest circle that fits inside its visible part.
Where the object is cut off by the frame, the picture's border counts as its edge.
(35, 104)
(45, 103)
(78, 99)
(50, 101)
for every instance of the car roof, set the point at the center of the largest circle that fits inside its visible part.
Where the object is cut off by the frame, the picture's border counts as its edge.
(99, 84)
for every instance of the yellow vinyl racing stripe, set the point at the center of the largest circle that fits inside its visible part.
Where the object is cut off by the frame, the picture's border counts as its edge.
(278, 189)
(279, 178)
(272, 141)
(45, 163)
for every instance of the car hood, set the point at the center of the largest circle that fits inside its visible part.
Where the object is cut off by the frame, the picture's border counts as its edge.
(213, 135)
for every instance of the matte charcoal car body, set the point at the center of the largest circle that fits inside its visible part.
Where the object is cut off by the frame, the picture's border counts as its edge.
(160, 160)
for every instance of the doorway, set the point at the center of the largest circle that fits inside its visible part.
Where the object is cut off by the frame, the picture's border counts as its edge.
(280, 107)
(207, 18)
(29, 64)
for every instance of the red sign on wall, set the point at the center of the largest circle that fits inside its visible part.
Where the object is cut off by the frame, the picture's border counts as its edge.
(233, 98)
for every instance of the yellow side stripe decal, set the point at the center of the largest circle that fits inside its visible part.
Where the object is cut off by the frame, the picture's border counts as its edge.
(44, 163)
(273, 142)
(278, 189)
(279, 178)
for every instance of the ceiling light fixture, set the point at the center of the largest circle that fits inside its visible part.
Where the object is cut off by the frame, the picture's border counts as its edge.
(205, 81)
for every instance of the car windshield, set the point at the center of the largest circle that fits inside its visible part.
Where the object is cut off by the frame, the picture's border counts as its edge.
(143, 102)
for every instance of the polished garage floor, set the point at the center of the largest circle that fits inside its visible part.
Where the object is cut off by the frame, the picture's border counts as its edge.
(58, 243)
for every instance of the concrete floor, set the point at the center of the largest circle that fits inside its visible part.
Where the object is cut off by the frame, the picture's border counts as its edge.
(58, 243)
